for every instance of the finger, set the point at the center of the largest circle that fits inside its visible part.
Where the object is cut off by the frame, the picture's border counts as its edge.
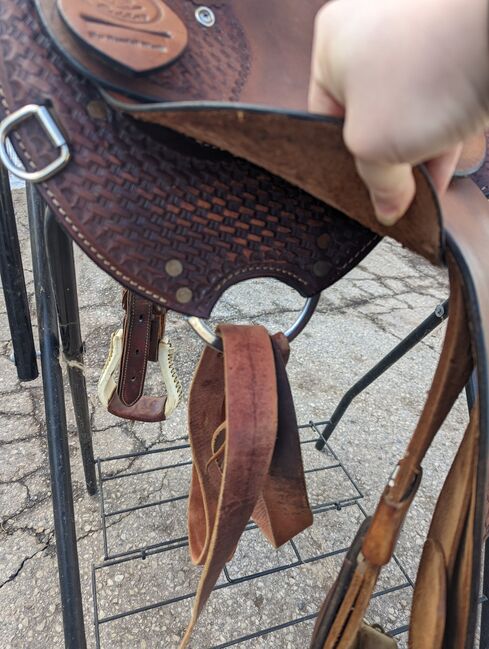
(320, 101)
(321, 96)
(391, 188)
(442, 168)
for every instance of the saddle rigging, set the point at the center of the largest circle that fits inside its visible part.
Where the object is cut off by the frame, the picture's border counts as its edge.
(175, 147)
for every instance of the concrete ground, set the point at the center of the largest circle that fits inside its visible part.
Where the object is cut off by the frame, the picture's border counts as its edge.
(357, 322)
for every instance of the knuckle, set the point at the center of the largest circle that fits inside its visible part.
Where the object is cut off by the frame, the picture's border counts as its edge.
(361, 142)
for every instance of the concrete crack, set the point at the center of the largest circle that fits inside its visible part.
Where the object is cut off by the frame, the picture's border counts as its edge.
(15, 574)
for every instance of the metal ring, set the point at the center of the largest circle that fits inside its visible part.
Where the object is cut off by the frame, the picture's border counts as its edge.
(212, 339)
(52, 131)
(205, 16)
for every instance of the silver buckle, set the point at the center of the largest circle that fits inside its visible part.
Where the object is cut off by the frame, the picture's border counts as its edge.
(52, 131)
(213, 340)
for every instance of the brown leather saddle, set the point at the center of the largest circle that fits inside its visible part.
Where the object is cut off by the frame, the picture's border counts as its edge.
(172, 141)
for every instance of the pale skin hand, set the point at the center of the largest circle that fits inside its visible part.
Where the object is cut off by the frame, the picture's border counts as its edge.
(411, 78)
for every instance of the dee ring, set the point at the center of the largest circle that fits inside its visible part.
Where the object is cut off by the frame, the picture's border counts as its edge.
(212, 339)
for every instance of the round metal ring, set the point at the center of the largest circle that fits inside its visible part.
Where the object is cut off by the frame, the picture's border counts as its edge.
(212, 339)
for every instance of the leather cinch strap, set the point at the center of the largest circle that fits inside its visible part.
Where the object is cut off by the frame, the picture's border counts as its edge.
(246, 452)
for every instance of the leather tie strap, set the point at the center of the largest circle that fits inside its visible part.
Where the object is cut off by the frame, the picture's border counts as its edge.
(246, 452)
(283, 510)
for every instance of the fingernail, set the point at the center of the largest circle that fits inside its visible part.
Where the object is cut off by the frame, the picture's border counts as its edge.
(386, 212)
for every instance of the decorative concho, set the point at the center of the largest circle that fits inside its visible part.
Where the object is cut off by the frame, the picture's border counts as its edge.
(137, 35)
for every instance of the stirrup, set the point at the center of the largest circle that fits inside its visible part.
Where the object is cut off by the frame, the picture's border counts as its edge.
(107, 384)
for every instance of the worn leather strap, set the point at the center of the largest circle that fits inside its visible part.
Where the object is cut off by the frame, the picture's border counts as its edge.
(144, 325)
(377, 547)
(440, 604)
(443, 605)
(283, 510)
(246, 452)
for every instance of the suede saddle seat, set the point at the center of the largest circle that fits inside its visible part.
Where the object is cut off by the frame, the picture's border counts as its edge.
(194, 165)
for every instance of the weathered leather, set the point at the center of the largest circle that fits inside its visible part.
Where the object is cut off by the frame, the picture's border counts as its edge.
(372, 638)
(246, 453)
(259, 136)
(235, 60)
(444, 602)
(144, 327)
(282, 510)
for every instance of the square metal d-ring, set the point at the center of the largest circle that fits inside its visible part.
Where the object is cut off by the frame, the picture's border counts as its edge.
(42, 114)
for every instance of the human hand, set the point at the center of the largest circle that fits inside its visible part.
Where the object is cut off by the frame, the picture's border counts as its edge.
(411, 78)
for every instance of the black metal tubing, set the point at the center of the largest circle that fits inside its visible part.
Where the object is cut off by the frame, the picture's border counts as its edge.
(63, 275)
(471, 393)
(484, 632)
(13, 283)
(416, 336)
(57, 437)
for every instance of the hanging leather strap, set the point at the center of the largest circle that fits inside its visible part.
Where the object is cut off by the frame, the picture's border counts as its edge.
(246, 452)
(442, 593)
(283, 510)
(339, 623)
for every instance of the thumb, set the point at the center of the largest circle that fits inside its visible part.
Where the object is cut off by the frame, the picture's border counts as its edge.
(391, 186)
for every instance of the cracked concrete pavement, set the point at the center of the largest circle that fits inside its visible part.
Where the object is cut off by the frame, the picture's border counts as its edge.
(357, 322)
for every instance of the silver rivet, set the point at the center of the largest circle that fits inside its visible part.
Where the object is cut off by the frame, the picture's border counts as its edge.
(205, 16)
(174, 267)
(184, 295)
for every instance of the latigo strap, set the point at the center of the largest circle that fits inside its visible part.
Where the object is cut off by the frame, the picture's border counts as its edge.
(246, 452)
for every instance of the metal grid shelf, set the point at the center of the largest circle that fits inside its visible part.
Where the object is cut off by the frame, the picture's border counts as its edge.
(143, 508)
